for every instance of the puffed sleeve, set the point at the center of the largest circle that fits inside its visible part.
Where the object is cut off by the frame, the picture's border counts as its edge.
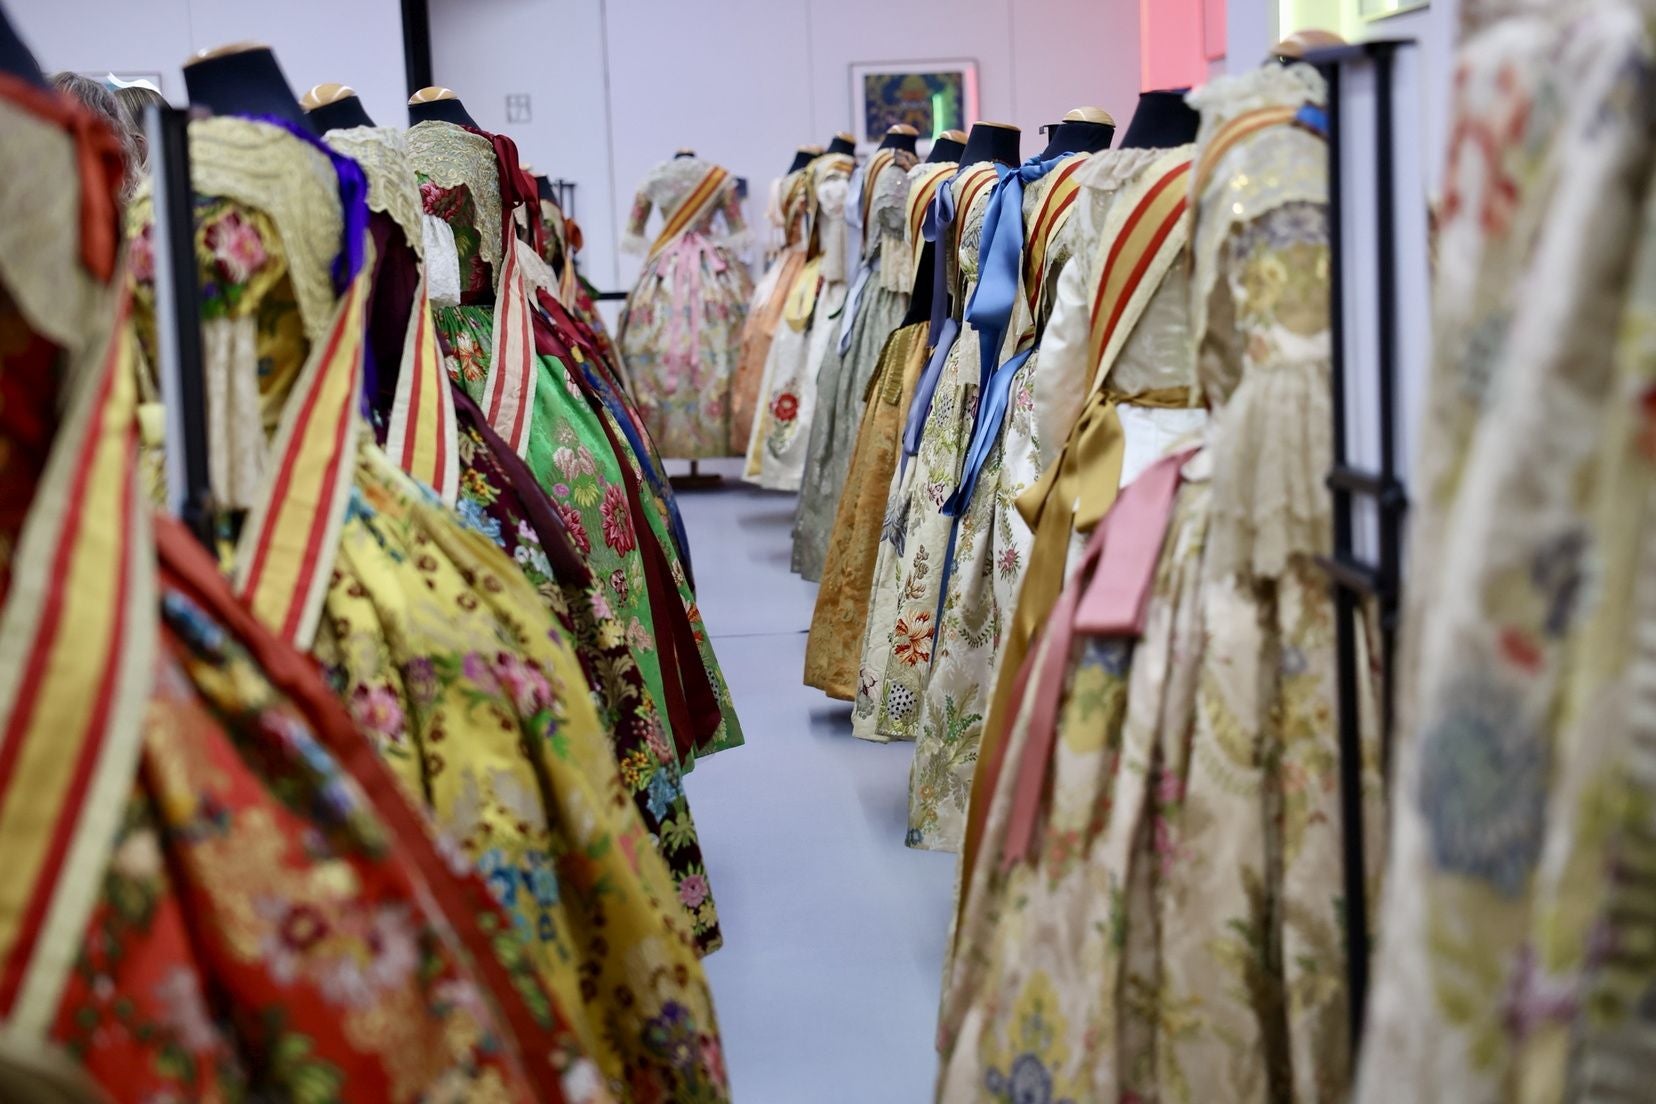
(633, 241)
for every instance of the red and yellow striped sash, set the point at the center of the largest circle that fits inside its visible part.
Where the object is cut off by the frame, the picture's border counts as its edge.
(1139, 254)
(1054, 211)
(288, 544)
(971, 185)
(420, 437)
(796, 208)
(509, 388)
(922, 190)
(1228, 136)
(703, 198)
(76, 667)
(871, 176)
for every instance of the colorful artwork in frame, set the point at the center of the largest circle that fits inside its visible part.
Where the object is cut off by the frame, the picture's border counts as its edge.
(930, 96)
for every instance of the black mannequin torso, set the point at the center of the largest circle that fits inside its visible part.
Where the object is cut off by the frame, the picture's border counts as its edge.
(1078, 137)
(842, 143)
(342, 114)
(449, 110)
(15, 57)
(803, 156)
(677, 154)
(543, 187)
(1163, 121)
(945, 149)
(899, 141)
(991, 142)
(243, 82)
(1051, 131)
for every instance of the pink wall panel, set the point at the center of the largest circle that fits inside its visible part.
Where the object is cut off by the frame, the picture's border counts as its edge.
(1174, 43)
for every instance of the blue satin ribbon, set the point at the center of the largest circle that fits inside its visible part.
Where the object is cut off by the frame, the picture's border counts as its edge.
(924, 388)
(1000, 258)
(940, 215)
(848, 315)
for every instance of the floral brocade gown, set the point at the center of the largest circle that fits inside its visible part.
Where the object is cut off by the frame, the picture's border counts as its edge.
(446, 654)
(249, 907)
(1170, 928)
(680, 333)
(901, 637)
(610, 624)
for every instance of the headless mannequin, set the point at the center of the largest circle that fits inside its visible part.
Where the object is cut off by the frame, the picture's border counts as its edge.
(992, 142)
(15, 57)
(948, 147)
(1163, 120)
(843, 143)
(685, 152)
(1084, 130)
(341, 114)
(803, 156)
(900, 137)
(243, 79)
(439, 105)
(543, 185)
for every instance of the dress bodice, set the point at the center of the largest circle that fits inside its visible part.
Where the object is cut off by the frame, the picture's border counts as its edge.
(459, 181)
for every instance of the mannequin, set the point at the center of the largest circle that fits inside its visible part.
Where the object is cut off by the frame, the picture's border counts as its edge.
(803, 156)
(947, 147)
(1303, 42)
(439, 105)
(684, 151)
(335, 107)
(900, 137)
(1162, 121)
(242, 78)
(992, 142)
(543, 186)
(843, 142)
(15, 57)
(1083, 130)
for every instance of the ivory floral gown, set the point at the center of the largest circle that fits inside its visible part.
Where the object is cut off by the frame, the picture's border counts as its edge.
(791, 210)
(782, 435)
(237, 875)
(498, 496)
(679, 334)
(1153, 911)
(1513, 960)
(902, 625)
(842, 382)
(437, 642)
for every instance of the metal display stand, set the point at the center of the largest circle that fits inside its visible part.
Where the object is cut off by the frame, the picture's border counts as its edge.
(178, 324)
(1370, 499)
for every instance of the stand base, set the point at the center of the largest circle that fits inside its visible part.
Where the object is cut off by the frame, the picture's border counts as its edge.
(695, 480)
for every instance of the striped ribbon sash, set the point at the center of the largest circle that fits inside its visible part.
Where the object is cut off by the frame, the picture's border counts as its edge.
(702, 200)
(922, 191)
(77, 654)
(871, 175)
(420, 437)
(1139, 249)
(1232, 133)
(973, 183)
(1051, 216)
(291, 537)
(509, 388)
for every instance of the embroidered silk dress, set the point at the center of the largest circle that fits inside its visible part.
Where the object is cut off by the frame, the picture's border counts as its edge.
(792, 209)
(1512, 962)
(498, 496)
(991, 540)
(840, 619)
(902, 623)
(810, 323)
(438, 643)
(842, 384)
(679, 335)
(229, 874)
(1153, 912)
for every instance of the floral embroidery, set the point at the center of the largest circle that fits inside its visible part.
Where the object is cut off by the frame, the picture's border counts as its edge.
(785, 408)
(911, 640)
(618, 530)
(236, 248)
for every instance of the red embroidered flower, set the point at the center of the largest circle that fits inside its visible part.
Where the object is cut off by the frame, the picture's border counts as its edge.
(785, 408)
(470, 362)
(618, 530)
(236, 247)
(912, 640)
(1519, 647)
(576, 529)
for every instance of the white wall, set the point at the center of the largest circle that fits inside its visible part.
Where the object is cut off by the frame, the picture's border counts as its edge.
(356, 42)
(745, 81)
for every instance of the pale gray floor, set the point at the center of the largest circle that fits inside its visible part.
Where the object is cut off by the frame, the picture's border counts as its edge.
(827, 985)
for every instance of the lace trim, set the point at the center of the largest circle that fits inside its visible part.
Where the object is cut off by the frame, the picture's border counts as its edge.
(270, 170)
(449, 157)
(442, 262)
(392, 187)
(39, 255)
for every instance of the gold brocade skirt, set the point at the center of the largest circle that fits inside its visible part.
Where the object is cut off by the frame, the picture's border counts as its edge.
(834, 647)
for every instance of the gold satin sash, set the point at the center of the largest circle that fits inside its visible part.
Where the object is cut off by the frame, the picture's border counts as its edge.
(876, 165)
(703, 198)
(802, 296)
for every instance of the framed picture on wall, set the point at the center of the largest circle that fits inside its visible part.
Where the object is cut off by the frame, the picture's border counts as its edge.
(930, 96)
(1381, 9)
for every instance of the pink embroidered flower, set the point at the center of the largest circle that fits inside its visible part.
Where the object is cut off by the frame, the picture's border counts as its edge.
(479, 673)
(1007, 563)
(577, 531)
(523, 683)
(378, 711)
(601, 608)
(913, 638)
(656, 737)
(618, 583)
(785, 408)
(236, 247)
(1169, 788)
(693, 890)
(618, 530)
